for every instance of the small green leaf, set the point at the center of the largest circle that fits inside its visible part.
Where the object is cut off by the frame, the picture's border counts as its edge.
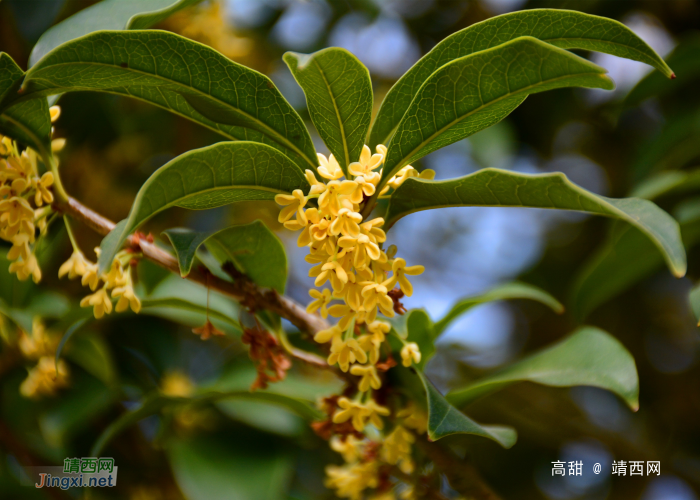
(185, 243)
(421, 331)
(512, 290)
(501, 188)
(252, 248)
(479, 90)
(444, 419)
(339, 97)
(588, 357)
(173, 72)
(106, 15)
(26, 122)
(563, 28)
(207, 178)
(694, 298)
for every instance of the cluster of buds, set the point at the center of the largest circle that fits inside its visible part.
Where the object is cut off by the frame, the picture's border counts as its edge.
(25, 203)
(268, 355)
(47, 376)
(118, 280)
(348, 253)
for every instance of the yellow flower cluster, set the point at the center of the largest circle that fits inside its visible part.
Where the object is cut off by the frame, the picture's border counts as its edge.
(364, 457)
(118, 280)
(348, 253)
(43, 379)
(25, 199)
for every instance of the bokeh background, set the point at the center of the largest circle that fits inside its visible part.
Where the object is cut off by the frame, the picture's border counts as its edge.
(607, 142)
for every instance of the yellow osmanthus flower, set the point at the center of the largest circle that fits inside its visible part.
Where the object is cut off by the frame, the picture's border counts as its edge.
(400, 271)
(322, 299)
(44, 379)
(176, 384)
(369, 377)
(118, 279)
(349, 447)
(397, 448)
(410, 353)
(345, 352)
(76, 265)
(100, 302)
(24, 192)
(37, 344)
(351, 480)
(360, 413)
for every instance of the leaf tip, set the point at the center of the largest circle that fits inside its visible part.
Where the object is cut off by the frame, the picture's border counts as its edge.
(673, 76)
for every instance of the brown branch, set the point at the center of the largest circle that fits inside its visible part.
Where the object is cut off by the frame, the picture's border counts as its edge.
(240, 290)
(463, 476)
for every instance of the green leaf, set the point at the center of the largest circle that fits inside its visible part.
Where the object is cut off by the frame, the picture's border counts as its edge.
(665, 183)
(26, 122)
(156, 402)
(563, 28)
(106, 15)
(339, 97)
(182, 76)
(501, 188)
(588, 357)
(421, 331)
(694, 298)
(252, 248)
(156, 307)
(185, 243)
(476, 91)
(512, 290)
(207, 178)
(444, 419)
(222, 467)
(626, 257)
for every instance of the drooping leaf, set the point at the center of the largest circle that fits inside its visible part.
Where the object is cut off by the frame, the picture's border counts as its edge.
(106, 15)
(626, 257)
(588, 357)
(185, 243)
(182, 76)
(26, 122)
(156, 402)
(252, 248)
(512, 290)
(339, 97)
(443, 418)
(476, 91)
(563, 28)
(207, 178)
(501, 188)
(185, 302)
(156, 306)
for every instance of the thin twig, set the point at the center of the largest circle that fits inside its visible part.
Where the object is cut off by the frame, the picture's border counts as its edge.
(240, 290)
